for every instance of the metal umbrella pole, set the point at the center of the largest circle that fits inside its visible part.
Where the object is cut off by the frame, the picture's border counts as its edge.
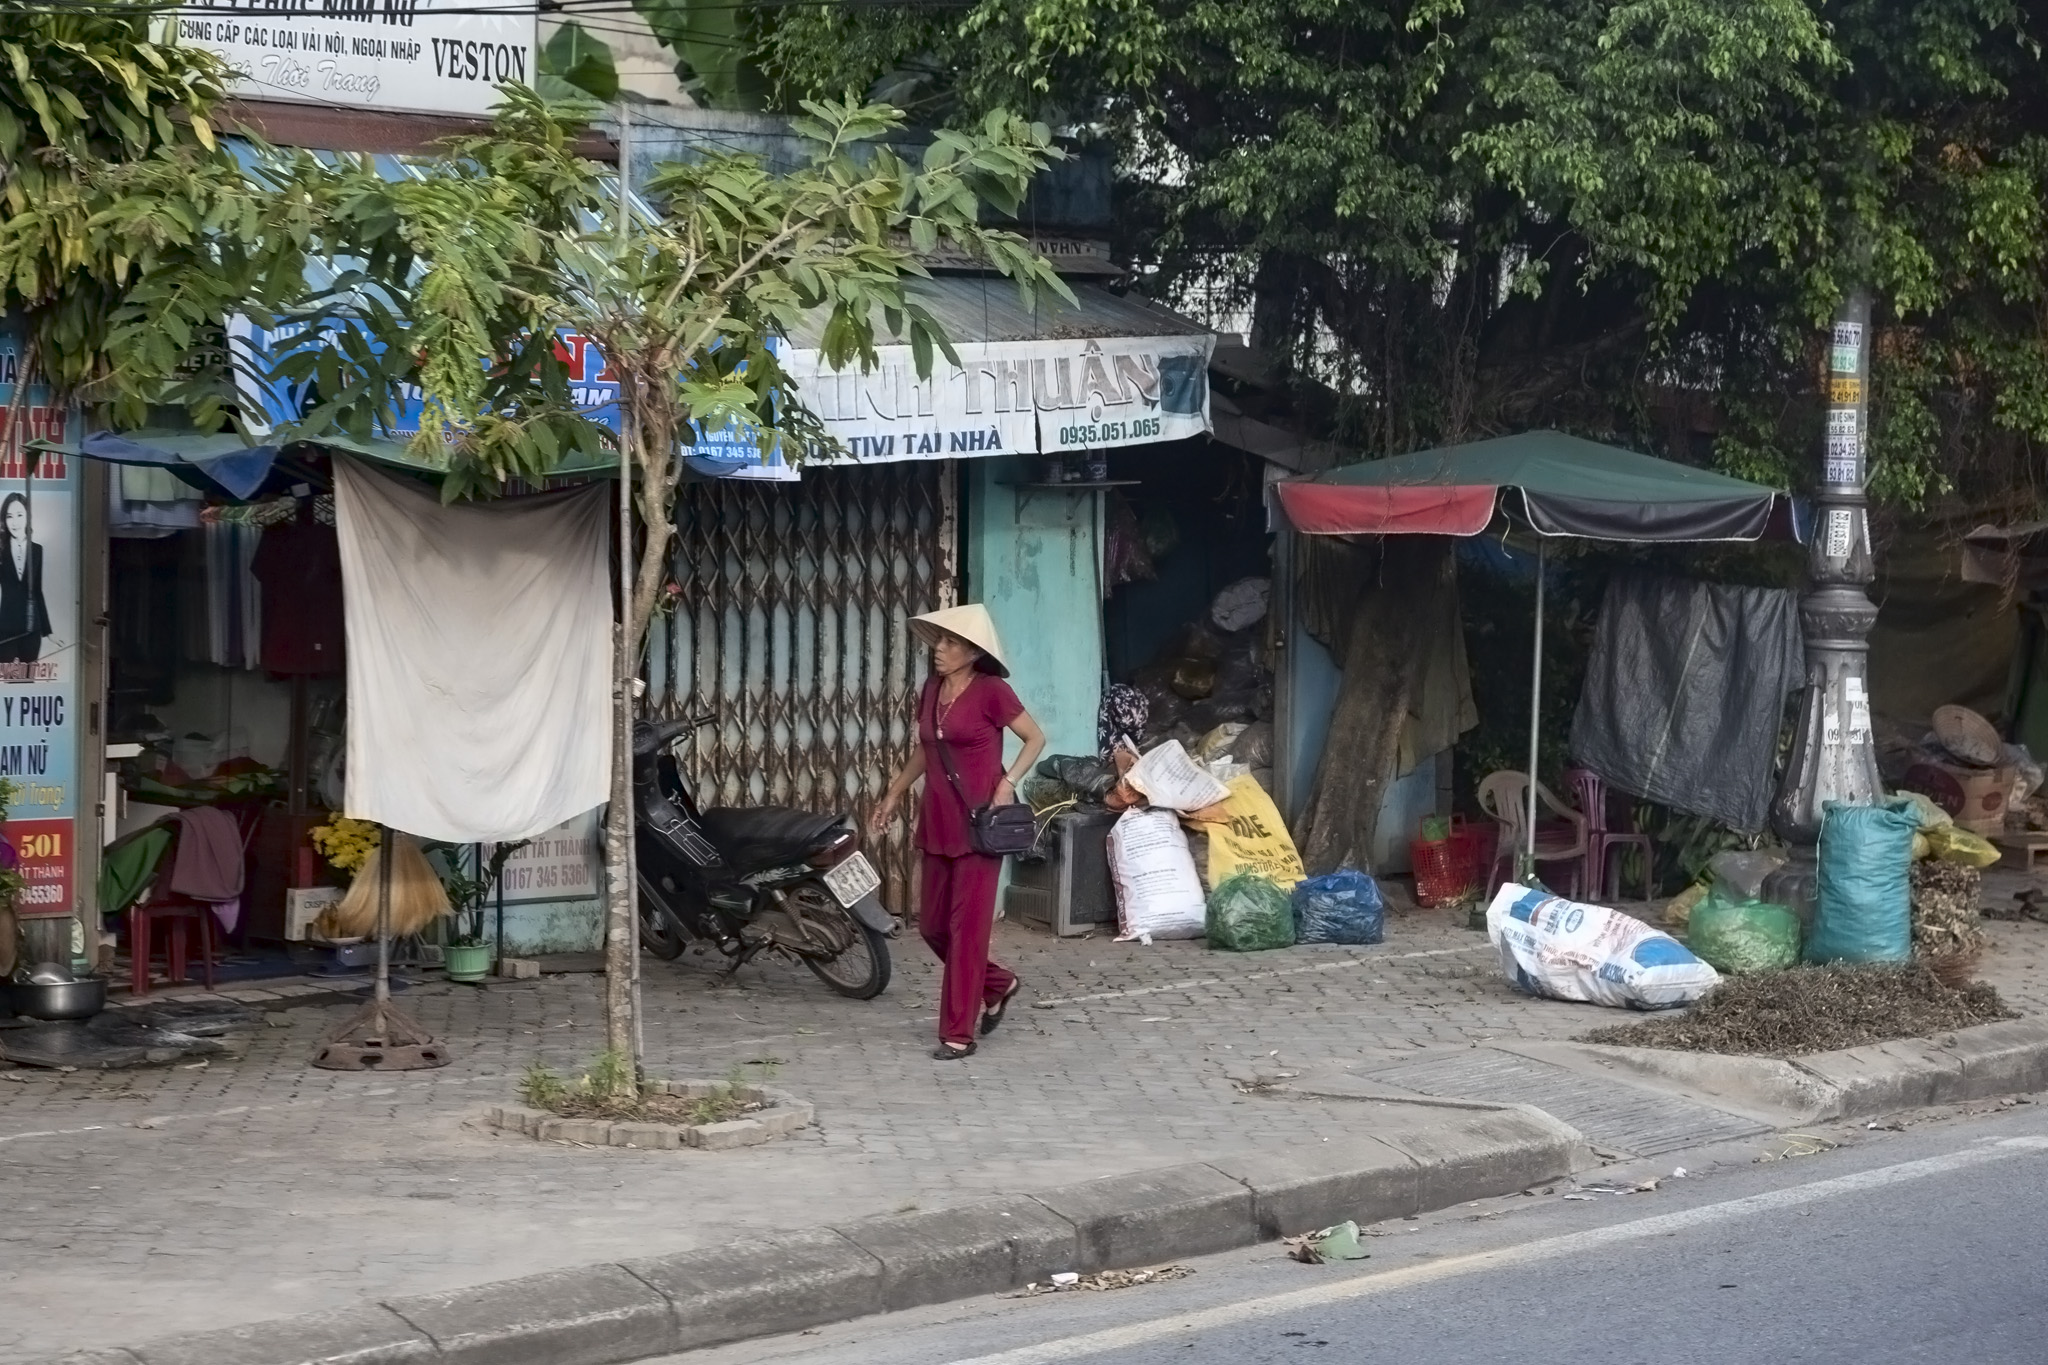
(1528, 858)
(380, 1036)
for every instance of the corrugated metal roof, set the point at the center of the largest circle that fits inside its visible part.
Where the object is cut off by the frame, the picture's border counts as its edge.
(986, 308)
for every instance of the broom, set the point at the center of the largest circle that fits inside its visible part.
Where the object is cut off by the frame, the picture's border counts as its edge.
(417, 896)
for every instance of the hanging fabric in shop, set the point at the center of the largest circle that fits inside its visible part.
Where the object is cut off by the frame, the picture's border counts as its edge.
(145, 502)
(299, 565)
(479, 658)
(1685, 694)
(234, 609)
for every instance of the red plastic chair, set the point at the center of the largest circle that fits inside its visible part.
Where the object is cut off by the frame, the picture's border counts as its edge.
(1591, 791)
(176, 914)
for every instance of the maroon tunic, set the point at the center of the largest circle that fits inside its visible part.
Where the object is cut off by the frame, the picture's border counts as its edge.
(974, 733)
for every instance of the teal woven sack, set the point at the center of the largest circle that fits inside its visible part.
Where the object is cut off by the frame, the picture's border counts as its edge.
(1864, 910)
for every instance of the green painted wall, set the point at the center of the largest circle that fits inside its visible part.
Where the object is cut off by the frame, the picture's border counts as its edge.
(1032, 557)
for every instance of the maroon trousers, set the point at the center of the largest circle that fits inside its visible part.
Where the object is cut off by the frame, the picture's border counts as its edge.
(956, 917)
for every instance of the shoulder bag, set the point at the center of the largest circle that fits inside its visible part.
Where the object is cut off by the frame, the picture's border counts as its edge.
(992, 831)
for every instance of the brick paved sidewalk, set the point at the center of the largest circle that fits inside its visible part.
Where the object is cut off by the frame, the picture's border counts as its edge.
(147, 1202)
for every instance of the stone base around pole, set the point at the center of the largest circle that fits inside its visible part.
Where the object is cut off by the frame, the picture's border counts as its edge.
(380, 1037)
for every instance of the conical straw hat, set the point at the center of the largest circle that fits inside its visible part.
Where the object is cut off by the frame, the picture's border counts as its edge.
(972, 623)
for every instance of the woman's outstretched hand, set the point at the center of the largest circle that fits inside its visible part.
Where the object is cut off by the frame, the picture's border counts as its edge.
(884, 813)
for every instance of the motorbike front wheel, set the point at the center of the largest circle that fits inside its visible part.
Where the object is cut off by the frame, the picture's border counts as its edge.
(659, 932)
(861, 970)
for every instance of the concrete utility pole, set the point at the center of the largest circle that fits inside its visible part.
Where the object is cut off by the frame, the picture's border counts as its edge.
(1833, 758)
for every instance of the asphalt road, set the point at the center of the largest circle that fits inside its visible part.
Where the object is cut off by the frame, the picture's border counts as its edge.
(1929, 1245)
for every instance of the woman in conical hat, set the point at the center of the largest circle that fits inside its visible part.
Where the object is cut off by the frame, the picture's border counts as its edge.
(962, 713)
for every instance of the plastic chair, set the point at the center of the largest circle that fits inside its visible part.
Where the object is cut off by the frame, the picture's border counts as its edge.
(1591, 791)
(1504, 797)
(177, 914)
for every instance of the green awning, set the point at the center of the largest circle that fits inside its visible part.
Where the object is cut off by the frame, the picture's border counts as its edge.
(1568, 486)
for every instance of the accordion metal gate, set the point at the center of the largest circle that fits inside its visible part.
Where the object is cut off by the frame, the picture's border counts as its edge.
(788, 623)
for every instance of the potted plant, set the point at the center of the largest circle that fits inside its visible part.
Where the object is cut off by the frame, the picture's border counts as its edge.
(466, 954)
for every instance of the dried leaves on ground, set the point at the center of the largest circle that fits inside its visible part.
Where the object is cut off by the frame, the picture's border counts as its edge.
(1945, 914)
(1106, 1279)
(1815, 1009)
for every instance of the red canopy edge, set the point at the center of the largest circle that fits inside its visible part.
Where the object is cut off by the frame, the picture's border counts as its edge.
(1322, 509)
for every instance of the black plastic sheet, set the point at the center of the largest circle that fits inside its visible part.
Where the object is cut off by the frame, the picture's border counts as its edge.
(1685, 694)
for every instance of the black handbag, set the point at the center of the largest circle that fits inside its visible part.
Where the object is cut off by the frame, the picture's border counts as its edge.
(993, 831)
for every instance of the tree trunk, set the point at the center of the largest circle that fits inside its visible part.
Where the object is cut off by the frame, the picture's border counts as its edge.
(648, 439)
(618, 909)
(1381, 654)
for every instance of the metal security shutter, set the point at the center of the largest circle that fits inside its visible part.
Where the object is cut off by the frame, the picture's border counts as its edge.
(789, 624)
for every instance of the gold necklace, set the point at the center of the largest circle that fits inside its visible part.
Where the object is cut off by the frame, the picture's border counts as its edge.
(945, 707)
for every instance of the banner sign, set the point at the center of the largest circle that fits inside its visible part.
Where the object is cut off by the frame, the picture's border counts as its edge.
(429, 56)
(39, 565)
(1004, 398)
(592, 384)
(1013, 397)
(562, 864)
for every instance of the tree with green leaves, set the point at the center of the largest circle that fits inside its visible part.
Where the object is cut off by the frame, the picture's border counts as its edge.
(510, 238)
(1448, 218)
(117, 200)
(131, 236)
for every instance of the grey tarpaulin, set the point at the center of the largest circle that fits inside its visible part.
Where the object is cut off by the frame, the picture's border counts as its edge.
(1685, 694)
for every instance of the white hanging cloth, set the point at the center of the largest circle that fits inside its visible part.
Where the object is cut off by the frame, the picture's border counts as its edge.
(479, 658)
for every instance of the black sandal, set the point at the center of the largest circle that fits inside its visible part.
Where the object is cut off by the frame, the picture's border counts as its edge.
(991, 1017)
(946, 1052)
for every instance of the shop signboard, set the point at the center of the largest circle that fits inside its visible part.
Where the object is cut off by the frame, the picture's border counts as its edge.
(1013, 397)
(562, 864)
(592, 385)
(424, 56)
(39, 624)
(1028, 397)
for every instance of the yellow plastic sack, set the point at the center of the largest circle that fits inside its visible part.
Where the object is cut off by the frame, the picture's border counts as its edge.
(1678, 914)
(1922, 849)
(1249, 835)
(1952, 844)
(1932, 817)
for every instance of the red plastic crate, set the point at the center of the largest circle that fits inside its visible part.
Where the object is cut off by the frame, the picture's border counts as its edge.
(1449, 870)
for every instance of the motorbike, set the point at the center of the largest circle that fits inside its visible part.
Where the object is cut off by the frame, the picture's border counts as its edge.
(752, 881)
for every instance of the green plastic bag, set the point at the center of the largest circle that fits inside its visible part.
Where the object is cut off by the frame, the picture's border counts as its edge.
(1248, 913)
(1740, 937)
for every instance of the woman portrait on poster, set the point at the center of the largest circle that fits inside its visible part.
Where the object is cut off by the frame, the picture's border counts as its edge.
(24, 616)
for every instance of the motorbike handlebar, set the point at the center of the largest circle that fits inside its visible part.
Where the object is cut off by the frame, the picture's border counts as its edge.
(659, 734)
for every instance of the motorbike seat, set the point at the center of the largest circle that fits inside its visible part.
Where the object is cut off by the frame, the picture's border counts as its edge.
(755, 837)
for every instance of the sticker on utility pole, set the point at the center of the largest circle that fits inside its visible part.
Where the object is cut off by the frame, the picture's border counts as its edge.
(1841, 533)
(1845, 448)
(1854, 703)
(1846, 355)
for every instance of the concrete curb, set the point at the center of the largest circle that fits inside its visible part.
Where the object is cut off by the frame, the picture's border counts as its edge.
(1978, 1063)
(614, 1313)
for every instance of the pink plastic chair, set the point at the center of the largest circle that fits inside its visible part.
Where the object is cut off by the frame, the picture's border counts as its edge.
(1591, 791)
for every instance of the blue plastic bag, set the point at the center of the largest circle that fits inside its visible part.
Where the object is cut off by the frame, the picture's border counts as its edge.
(1864, 909)
(1344, 907)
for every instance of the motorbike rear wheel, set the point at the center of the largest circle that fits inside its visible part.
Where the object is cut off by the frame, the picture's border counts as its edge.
(861, 971)
(659, 932)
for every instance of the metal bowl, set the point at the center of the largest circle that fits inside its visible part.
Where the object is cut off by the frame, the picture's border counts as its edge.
(80, 999)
